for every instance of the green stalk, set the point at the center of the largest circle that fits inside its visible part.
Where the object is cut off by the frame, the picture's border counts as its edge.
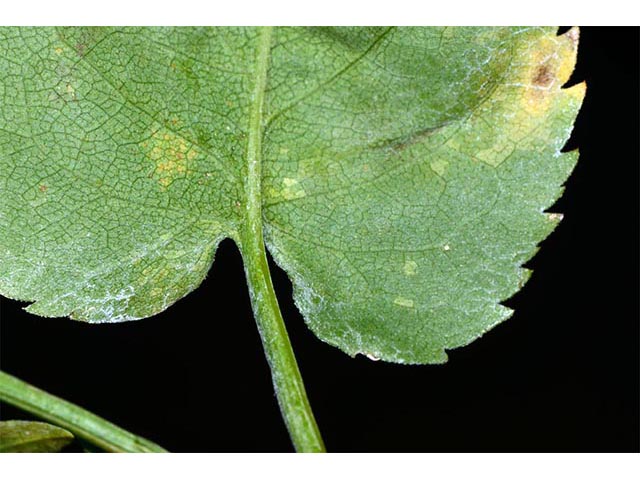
(287, 380)
(77, 420)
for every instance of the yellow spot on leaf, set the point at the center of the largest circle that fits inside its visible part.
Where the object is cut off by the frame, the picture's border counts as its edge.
(403, 302)
(58, 50)
(550, 64)
(532, 89)
(291, 189)
(170, 154)
(410, 268)
(439, 166)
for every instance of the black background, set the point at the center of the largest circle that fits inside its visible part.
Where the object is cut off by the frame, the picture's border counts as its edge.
(561, 375)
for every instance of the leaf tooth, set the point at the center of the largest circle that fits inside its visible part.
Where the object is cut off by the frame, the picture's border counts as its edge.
(554, 217)
(575, 92)
(568, 53)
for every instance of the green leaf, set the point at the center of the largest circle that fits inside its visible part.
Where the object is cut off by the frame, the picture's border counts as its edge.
(36, 437)
(399, 175)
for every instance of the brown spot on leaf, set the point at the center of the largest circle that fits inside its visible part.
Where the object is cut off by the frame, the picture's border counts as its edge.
(401, 143)
(542, 77)
(80, 49)
(42, 188)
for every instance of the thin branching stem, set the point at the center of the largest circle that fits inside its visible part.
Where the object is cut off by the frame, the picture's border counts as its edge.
(77, 420)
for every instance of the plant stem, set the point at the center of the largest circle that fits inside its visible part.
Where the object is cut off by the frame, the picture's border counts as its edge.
(77, 420)
(287, 380)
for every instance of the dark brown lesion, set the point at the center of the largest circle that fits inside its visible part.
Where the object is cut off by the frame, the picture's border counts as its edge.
(399, 144)
(80, 49)
(543, 76)
(81, 40)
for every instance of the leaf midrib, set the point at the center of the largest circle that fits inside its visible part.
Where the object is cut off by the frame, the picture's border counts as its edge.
(253, 225)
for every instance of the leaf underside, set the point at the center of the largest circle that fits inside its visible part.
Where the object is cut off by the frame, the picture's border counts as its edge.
(406, 171)
(18, 436)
